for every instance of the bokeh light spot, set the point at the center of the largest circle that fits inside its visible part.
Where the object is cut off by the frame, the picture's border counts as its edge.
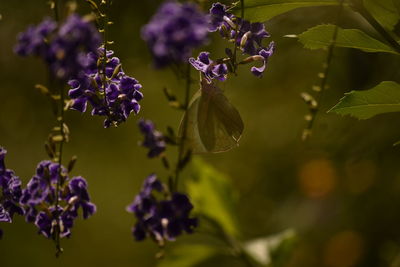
(317, 178)
(344, 249)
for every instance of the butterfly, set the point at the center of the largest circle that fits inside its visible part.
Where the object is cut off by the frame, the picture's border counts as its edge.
(212, 123)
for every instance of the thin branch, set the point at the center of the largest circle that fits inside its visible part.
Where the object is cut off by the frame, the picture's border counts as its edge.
(234, 64)
(324, 78)
(184, 129)
(60, 120)
(106, 4)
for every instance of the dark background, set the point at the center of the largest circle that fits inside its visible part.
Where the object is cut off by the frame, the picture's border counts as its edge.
(340, 191)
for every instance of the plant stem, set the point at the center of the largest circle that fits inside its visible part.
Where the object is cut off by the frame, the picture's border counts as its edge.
(324, 80)
(60, 120)
(184, 128)
(359, 7)
(234, 64)
(105, 31)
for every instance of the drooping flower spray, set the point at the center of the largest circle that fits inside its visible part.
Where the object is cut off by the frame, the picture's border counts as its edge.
(247, 38)
(103, 84)
(75, 54)
(162, 212)
(51, 199)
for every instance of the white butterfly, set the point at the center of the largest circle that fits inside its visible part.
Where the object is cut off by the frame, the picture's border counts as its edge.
(213, 123)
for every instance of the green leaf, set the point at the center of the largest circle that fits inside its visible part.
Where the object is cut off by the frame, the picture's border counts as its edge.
(212, 195)
(321, 36)
(384, 11)
(271, 249)
(263, 10)
(187, 255)
(383, 98)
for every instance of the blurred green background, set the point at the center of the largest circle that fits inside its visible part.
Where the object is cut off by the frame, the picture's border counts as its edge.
(340, 191)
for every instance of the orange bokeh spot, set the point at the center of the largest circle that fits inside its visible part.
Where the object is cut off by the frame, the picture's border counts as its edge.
(317, 178)
(344, 249)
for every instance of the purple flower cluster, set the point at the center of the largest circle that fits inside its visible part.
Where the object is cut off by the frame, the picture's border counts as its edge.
(34, 40)
(174, 31)
(114, 95)
(63, 47)
(10, 186)
(39, 199)
(160, 219)
(153, 139)
(248, 37)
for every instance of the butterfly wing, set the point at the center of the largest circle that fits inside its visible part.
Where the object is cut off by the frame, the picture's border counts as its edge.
(220, 125)
(213, 123)
(192, 141)
(206, 120)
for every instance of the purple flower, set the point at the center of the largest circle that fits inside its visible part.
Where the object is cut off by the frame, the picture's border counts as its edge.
(116, 98)
(41, 188)
(63, 49)
(250, 36)
(45, 222)
(153, 139)
(79, 197)
(177, 211)
(263, 55)
(174, 31)
(210, 68)
(10, 188)
(83, 91)
(163, 219)
(152, 183)
(75, 38)
(39, 199)
(216, 16)
(33, 40)
(4, 215)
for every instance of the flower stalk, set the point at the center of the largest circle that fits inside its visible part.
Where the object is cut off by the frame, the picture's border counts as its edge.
(234, 63)
(315, 103)
(104, 30)
(60, 120)
(181, 148)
